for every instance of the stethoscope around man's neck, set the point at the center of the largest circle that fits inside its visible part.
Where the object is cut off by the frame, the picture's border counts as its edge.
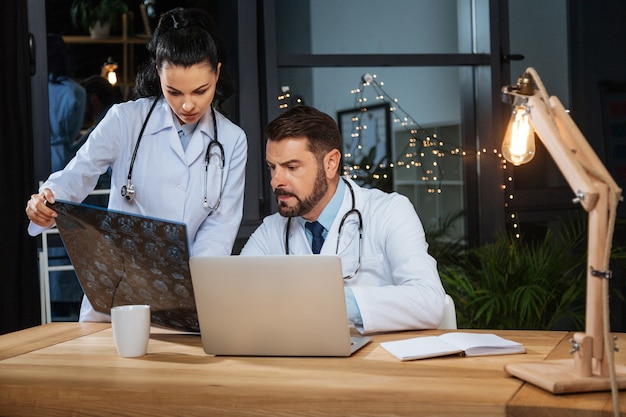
(128, 190)
(353, 210)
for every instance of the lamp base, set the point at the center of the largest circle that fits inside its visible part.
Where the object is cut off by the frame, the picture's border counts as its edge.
(559, 376)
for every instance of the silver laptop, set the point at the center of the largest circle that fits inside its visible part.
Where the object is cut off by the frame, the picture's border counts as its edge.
(288, 305)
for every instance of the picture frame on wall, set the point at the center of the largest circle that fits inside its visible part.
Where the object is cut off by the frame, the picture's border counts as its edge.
(366, 134)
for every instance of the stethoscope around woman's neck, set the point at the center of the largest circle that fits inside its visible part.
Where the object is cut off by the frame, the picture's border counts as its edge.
(353, 210)
(128, 190)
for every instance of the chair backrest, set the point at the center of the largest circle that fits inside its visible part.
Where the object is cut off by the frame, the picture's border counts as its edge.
(449, 315)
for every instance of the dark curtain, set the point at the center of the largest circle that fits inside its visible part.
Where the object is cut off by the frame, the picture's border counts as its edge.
(19, 288)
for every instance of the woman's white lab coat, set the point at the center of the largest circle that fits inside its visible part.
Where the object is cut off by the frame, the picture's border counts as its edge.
(397, 286)
(168, 180)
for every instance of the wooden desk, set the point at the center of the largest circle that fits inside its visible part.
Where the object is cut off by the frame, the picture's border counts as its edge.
(534, 402)
(60, 369)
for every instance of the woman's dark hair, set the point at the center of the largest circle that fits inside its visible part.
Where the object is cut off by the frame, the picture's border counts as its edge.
(183, 37)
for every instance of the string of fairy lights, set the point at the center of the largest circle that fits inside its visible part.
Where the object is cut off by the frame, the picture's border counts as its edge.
(423, 151)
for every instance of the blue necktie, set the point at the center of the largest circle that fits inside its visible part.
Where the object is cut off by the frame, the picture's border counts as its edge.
(316, 230)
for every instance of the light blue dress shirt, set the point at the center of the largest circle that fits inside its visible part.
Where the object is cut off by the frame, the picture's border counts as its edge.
(326, 218)
(185, 132)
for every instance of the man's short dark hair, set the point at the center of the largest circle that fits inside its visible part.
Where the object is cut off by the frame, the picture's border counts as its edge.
(307, 122)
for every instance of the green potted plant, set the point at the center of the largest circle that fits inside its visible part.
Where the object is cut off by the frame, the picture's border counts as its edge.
(99, 17)
(521, 283)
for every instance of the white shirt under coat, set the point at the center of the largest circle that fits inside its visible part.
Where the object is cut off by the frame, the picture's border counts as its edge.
(397, 286)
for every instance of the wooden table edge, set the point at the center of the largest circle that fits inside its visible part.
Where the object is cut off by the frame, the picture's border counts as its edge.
(41, 336)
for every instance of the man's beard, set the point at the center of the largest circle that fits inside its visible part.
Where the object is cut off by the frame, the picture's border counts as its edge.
(305, 205)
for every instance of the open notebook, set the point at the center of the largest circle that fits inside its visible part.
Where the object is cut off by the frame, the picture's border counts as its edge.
(123, 258)
(287, 305)
(463, 343)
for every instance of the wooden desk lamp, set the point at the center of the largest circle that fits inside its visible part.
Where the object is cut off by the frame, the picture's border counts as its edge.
(592, 368)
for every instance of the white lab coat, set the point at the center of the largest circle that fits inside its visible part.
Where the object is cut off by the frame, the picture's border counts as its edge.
(397, 286)
(168, 180)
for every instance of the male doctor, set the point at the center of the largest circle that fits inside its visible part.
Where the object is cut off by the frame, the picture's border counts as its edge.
(391, 282)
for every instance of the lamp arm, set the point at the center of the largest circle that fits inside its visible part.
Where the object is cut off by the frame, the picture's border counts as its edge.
(566, 143)
(577, 177)
(575, 140)
(599, 252)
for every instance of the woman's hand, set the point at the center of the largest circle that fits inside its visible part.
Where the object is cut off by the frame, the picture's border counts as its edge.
(38, 212)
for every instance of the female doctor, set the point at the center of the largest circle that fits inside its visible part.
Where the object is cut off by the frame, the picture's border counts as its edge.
(391, 282)
(173, 156)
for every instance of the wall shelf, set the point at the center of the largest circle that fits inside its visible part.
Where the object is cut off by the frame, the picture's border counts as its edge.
(127, 44)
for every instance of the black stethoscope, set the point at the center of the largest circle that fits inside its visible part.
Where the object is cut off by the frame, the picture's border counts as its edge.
(128, 190)
(352, 211)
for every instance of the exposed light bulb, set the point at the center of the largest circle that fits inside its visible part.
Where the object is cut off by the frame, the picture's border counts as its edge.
(518, 146)
(108, 71)
(112, 78)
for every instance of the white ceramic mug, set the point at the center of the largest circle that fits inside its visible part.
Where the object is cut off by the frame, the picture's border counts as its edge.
(131, 329)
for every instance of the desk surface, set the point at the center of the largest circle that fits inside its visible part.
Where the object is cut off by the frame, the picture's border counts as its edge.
(73, 368)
